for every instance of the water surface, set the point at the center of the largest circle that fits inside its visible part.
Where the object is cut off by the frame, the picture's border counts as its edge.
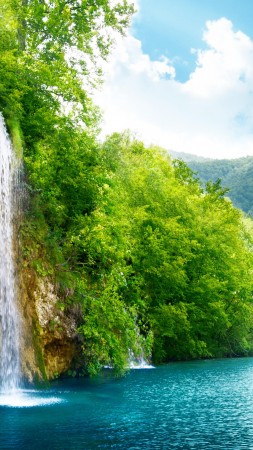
(193, 405)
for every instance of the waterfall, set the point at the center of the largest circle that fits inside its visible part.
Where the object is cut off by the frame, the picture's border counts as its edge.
(138, 362)
(9, 321)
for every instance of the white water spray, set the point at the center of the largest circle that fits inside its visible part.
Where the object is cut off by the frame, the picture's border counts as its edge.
(138, 362)
(9, 321)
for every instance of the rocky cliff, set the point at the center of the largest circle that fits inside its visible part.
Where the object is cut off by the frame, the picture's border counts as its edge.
(49, 343)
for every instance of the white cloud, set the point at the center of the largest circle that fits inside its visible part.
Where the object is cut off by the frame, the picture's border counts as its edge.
(129, 60)
(211, 114)
(226, 65)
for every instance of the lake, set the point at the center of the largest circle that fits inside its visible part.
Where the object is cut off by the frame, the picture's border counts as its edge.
(190, 405)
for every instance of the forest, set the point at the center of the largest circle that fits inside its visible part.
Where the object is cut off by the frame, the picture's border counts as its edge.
(235, 174)
(146, 258)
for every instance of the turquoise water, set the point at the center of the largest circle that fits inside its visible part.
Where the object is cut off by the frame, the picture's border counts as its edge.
(193, 405)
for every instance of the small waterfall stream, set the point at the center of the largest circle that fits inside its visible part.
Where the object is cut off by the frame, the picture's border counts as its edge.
(138, 362)
(9, 320)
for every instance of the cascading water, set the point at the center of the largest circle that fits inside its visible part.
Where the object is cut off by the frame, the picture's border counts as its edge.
(138, 362)
(9, 320)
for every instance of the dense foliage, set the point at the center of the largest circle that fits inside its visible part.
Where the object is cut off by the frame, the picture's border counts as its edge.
(147, 261)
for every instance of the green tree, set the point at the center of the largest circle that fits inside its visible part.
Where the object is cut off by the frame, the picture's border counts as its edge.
(189, 266)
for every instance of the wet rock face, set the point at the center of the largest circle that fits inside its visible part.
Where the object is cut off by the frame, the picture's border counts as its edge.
(47, 337)
(52, 319)
(30, 347)
(49, 341)
(58, 356)
(57, 330)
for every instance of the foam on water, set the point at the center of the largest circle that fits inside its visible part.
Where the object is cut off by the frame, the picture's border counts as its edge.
(140, 364)
(27, 399)
(135, 363)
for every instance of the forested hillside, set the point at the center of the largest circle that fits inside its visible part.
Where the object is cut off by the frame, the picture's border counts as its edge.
(138, 252)
(235, 174)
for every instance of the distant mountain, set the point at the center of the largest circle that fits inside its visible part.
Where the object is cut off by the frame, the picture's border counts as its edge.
(188, 156)
(235, 174)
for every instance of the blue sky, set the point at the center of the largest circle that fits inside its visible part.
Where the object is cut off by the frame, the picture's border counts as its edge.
(182, 78)
(173, 27)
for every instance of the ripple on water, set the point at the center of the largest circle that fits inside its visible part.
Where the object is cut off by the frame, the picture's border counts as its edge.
(205, 405)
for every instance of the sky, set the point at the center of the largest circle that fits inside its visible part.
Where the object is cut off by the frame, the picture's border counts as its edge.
(182, 77)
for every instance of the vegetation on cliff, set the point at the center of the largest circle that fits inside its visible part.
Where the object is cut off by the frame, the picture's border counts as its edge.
(140, 255)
